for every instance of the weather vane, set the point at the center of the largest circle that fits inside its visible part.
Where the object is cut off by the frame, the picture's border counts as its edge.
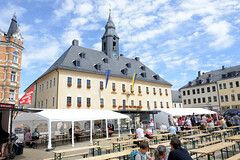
(14, 16)
(110, 8)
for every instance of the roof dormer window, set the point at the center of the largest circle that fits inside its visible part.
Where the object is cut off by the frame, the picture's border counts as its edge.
(124, 71)
(82, 55)
(128, 65)
(76, 63)
(97, 66)
(143, 68)
(156, 76)
(143, 74)
(105, 60)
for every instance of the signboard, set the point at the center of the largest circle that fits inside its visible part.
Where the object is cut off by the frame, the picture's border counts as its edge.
(5, 105)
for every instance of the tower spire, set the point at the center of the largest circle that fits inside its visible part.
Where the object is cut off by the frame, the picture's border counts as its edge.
(13, 26)
(110, 39)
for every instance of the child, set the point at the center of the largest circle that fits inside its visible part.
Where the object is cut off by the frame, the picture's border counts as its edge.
(142, 153)
(160, 153)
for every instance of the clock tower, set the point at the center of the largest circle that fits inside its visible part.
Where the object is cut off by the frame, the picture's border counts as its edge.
(110, 40)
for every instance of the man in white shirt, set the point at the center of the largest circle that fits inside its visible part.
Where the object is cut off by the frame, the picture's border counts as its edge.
(163, 127)
(140, 132)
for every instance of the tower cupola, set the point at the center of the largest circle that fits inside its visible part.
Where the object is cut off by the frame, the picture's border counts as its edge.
(110, 40)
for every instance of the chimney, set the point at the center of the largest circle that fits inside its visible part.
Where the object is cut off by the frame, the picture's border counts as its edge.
(75, 42)
(137, 58)
(199, 73)
(222, 67)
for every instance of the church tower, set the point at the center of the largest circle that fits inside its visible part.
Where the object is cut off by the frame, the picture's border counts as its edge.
(110, 40)
(11, 48)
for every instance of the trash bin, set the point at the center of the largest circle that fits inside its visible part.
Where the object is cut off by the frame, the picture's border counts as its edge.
(19, 149)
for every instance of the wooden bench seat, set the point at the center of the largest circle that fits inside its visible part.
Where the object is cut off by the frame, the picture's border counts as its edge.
(209, 143)
(33, 142)
(85, 154)
(235, 157)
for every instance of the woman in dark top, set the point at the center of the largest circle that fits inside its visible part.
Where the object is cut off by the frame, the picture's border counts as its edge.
(229, 123)
(178, 153)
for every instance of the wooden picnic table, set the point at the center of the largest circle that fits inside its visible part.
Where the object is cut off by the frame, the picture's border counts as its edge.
(131, 136)
(233, 138)
(222, 131)
(58, 154)
(119, 143)
(215, 128)
(111, 155)
(232, 127)
(97, 141)
(192, 137)
(163, 131)
(161, 135)
(213, 148)
(186, 131)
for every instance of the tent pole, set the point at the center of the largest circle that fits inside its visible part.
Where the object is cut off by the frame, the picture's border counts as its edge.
(119, 128)
(130, 132)
(72, 133)
(49, 134)
(106, 128)
(91, 124)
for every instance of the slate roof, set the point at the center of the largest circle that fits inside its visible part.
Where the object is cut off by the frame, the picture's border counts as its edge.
(215, 76)
(13, 27)
(96, 57)
(176, 96)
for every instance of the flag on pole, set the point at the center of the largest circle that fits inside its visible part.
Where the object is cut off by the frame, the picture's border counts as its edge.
(107, 73)
(133, 80)
(27, 98)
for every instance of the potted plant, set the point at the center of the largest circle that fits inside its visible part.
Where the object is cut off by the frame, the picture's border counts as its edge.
(154, 93)
(161, 106)
(101, 88)
(88, 105)
(69, 84)
(166, 94)
(160, 94)
(124, 90)
(147, 92)
(119, 106)
(79, 105)
(155, 107)
(114, 106)
(88, 87)
(79, 86)
(101, 105)
(132, 91)
(168, 107)
(134, 106)
(139, 92)
(69, 104)
(114, 89)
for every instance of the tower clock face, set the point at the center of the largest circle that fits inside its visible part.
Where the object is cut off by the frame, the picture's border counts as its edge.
(114, 55)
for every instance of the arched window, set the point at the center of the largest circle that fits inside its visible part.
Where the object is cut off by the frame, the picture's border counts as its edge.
(15, 57)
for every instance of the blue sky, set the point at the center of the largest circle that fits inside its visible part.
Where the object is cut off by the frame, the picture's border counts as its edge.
(174, 38)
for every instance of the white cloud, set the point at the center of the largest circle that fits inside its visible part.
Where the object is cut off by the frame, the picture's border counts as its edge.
(66, 7)
(97, 46)
(83, 8)
(70, 35)
(37, 20)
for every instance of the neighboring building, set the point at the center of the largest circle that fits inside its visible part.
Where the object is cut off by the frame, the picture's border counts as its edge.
(206, 90)
(77, 80)
(11, 48)
(176, 99)
(229, 89)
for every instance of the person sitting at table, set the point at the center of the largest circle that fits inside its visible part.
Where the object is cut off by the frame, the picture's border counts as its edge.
(77, 132)
(163, 127)
(28, 138)
(172, 129)
(142, 153)
(148, 132)
(110, 129)
(35, 134)
(203, 125)
(189, 123)
(229, 123)
(185, 126)
(139, 132)
(177, 152)
(223, 123)
(160, 153)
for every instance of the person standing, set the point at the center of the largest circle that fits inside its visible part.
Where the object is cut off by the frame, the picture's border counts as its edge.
(169, 120)
(198, 120)
(236, 120)
(141, 124)
(151, 124)
(204, 118)
(139, 132)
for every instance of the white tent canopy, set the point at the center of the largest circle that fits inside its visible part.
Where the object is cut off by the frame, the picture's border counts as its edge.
(162, 117)
(186, 111)
(67, 115)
